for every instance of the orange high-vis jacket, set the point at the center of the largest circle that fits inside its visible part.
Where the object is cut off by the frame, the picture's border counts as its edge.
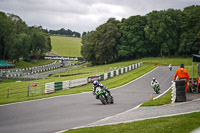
(198, 83)
(182, 74)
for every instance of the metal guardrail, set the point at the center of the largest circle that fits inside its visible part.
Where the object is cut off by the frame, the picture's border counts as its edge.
(29, 71)
(20, 79)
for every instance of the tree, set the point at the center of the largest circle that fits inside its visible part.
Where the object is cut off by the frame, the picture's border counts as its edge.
(100, 46)
(20, 47)
(163, 29)
(5, 30)
(17, 40)
(87, 49)
(190, 29)
(62, 31)
(10, 26)
(133, 42)
(108, 36)
(39, 42)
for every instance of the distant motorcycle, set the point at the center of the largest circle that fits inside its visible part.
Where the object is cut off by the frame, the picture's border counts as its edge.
(170, 67)
(103, 96)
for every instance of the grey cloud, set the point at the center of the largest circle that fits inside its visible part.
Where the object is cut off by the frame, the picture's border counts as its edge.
(84, 15)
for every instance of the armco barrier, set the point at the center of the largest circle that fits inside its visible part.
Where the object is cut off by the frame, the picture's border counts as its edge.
(65, 85)
(58, 86)
(78, 82)
(55, 86)
(25, 71)
(49, 87)
(101, 77)
(93, 78)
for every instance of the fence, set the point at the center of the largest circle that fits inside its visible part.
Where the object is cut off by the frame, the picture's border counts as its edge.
(35, 88)
(31, 90)
(21, 91)
(55, 86)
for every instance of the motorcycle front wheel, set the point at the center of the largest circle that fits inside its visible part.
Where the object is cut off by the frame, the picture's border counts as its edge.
(102, 99)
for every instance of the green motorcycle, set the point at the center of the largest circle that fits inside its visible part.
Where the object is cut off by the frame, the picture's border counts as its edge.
(157, 88)
(103, 96)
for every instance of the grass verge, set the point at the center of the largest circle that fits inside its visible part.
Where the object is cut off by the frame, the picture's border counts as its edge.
(165, 99)
(176, 124)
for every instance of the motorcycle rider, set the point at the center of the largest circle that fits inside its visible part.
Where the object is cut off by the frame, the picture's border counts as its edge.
(97, 84)
(154, 82)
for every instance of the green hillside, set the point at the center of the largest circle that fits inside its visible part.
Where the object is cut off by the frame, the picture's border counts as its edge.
(66, 46)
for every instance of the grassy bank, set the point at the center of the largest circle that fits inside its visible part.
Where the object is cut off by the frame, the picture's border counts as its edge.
(165, 99)
(66, 46)
(176, 124)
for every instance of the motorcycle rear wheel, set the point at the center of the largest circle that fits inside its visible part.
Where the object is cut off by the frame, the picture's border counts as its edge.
(112, 100)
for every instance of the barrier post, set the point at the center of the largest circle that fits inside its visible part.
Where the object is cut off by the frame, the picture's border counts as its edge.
(151, 98)
(28, 90)
(7, 92)
(173, 92)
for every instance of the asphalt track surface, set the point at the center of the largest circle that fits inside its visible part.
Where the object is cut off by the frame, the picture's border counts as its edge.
(66, 112)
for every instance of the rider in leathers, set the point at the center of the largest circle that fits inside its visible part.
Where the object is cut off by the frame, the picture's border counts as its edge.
(154, 82)
(96, 84)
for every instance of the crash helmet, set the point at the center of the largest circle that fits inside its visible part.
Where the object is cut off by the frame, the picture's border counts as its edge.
(154, 79)
(95, 83)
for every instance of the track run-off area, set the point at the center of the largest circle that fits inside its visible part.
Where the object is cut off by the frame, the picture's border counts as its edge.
(70, 111)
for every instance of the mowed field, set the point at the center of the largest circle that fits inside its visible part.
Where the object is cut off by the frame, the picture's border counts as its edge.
(66, 46)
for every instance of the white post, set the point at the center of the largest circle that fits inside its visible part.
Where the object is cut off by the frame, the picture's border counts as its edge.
(173, 92)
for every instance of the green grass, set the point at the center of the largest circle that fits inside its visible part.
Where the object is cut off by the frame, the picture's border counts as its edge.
(66, 46)
(165, 99)
(166, 61)
(175, 124)
(23, 64)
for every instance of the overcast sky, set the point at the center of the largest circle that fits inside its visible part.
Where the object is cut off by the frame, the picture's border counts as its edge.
(84, 15)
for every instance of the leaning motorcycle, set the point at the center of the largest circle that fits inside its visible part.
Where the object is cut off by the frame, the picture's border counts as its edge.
(103, 96)
(157, 88)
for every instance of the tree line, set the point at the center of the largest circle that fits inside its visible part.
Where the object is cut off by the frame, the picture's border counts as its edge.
(159, 33)
(62, 31)
(18, 41)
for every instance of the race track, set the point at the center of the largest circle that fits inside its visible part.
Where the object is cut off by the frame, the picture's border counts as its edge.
(65, 112)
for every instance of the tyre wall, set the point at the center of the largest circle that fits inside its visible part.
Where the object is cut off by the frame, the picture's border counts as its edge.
(180, 91)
